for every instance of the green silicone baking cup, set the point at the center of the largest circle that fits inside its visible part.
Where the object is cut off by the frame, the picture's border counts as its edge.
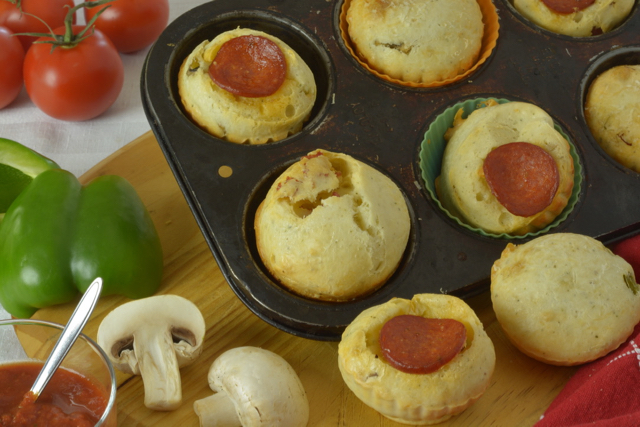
(432, 151)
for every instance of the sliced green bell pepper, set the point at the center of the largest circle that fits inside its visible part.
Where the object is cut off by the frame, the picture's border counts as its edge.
(18, 166)
(58, 236)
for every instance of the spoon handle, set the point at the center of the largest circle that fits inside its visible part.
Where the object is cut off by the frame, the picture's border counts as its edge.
(68, 336)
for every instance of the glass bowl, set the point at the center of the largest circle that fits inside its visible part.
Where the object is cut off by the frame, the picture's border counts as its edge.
(31, 341)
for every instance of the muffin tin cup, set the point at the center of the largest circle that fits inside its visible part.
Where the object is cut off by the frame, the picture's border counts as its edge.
(432, 152)
(627, 55)
(384, 125)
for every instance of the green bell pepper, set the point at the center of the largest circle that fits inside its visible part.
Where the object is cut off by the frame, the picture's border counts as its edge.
(18, 166)
(58, 236)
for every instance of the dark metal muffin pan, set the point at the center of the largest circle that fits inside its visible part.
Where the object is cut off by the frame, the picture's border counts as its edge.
(383, 125)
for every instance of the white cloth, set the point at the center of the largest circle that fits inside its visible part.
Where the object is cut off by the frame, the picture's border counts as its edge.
(78, 146)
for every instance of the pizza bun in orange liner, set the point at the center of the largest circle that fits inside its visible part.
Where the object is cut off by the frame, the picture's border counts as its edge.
(411, 398)
(489, 39)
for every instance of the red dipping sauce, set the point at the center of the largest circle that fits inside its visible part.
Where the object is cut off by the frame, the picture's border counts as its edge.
(69, 399)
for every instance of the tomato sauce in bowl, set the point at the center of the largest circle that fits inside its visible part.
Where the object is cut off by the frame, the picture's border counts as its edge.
(70, 399)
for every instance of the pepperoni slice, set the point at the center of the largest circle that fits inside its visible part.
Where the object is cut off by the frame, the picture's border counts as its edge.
(568, 6)
(419, 345)
(523, 177)
(251, 66)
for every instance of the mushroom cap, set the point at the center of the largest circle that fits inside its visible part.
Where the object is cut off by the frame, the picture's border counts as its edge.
(153, 337)
(264, 388)
(171, 315)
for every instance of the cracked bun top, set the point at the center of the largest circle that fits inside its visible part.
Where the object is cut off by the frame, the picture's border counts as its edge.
(332, 228)
(417, 41)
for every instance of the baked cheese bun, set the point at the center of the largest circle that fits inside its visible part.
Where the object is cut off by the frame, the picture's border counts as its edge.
(420, 41)
(577, 18)
(506, 169)
(246, 86)
(564, 298)
(418, 361)
(612, 112)
(332, 228)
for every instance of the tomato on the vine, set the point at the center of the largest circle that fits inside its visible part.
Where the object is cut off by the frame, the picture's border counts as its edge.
(131, 24)
(11, 59)
(52, 12)
(74, 83)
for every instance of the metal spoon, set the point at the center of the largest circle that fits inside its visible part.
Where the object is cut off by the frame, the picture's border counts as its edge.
(68, 336)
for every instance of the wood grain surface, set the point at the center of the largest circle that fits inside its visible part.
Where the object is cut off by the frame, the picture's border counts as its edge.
(520, 391)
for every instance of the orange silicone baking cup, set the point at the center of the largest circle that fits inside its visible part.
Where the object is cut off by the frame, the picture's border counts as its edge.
(489, 39)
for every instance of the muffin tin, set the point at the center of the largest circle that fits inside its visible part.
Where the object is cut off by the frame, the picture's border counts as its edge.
(383, 124)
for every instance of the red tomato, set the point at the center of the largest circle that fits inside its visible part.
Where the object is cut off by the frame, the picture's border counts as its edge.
(11, 59)
(52, 12)
(131, 24)
(77, 83)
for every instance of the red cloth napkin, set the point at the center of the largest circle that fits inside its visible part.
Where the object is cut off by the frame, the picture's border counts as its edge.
(606, 392)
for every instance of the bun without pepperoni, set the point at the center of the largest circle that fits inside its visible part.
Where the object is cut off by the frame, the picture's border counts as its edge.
(332, 228)
(416, 41)
(612, 111)
(564, 298)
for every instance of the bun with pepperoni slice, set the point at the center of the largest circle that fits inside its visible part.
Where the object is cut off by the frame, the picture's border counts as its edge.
(577, 18)
(505, 169)
(247, 87)
(418, 361)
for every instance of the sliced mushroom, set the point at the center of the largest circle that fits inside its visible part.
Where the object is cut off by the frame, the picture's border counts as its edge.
(154, 337)
(255, 388)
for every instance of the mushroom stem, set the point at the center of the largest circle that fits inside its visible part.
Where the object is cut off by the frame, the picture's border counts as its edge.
(217, 410)
(160, 372)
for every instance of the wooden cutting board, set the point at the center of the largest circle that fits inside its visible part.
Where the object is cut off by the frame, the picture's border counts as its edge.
(520, 391)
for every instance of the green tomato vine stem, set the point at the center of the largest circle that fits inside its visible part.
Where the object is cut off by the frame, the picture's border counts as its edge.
(68, 39)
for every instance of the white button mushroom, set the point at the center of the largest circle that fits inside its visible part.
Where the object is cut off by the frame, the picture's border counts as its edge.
(153, 337)
(255, 388)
